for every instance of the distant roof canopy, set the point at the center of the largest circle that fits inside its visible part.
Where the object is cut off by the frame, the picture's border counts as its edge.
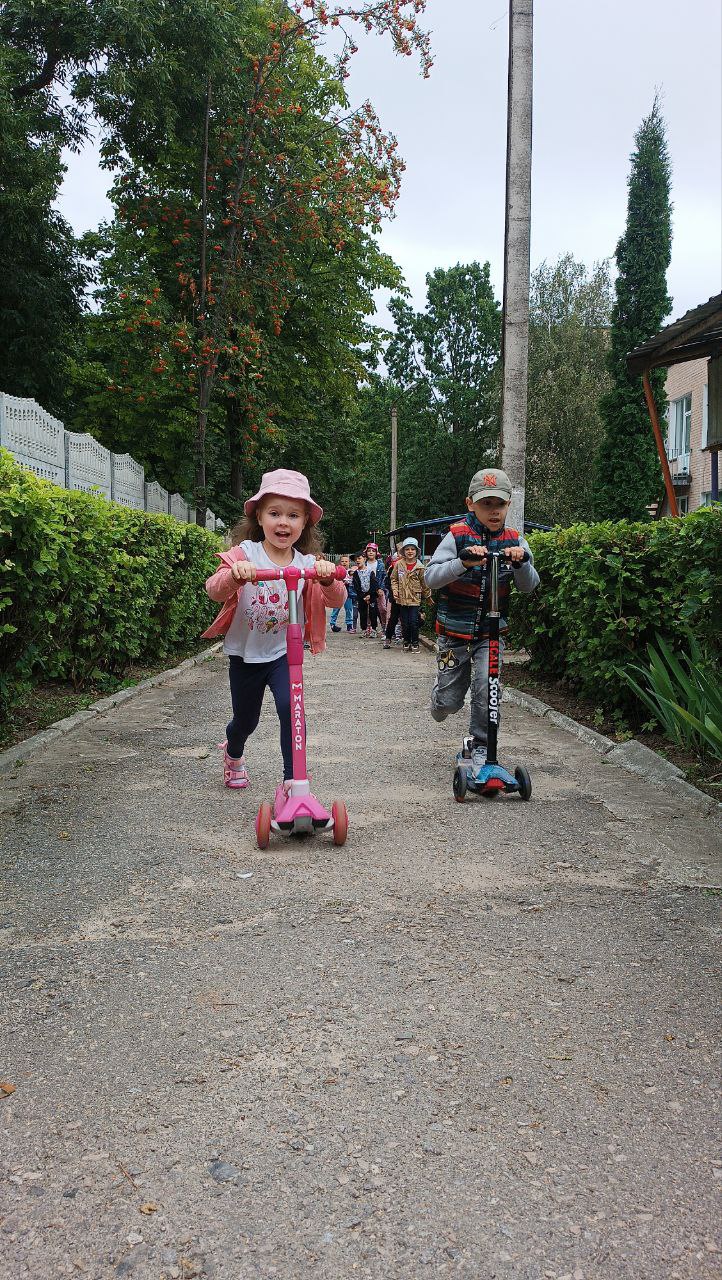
(695, 335)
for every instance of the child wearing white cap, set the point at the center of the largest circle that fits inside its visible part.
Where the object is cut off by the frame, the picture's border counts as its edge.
(409, 590)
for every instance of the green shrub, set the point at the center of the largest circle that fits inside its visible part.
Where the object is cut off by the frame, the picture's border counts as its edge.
(683, 693)
(609, 589)
(88, 587)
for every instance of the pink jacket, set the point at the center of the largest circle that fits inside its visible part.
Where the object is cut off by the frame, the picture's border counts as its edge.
(222, 586)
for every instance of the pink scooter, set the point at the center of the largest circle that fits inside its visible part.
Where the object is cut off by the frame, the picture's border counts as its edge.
(300, 811)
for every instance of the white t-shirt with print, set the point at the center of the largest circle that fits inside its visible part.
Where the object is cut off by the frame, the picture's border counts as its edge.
(258, 630)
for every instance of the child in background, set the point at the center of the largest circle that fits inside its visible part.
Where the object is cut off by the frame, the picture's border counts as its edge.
(394, 612)
(378, 568)
(462, 650)
(348, 602)
(364, 585)
(357, 561)
(409, 589)
(279, 529)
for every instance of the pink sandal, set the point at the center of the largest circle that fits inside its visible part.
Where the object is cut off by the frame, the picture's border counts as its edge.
(235, 773)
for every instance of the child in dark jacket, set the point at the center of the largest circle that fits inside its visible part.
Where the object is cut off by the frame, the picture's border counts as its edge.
(364, 585)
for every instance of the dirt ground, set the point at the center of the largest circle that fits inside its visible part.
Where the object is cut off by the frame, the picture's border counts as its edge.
(477, 1041)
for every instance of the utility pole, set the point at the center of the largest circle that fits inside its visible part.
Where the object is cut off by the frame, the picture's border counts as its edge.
(394, 444)
(515, 336)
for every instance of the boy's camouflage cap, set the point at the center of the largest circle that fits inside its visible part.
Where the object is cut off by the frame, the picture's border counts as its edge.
(490, 483)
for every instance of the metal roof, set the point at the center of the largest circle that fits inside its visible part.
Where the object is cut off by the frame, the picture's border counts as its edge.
(696, 334)
(444, 521)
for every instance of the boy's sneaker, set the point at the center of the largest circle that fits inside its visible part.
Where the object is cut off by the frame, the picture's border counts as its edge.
(387, 644)
(397, 639)
(334, 628)
(414, 648)
(349, 629)
(407, 647)
(478, 757)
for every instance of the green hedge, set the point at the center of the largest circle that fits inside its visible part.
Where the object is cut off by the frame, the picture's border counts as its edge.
(88, 587)
(606, 589)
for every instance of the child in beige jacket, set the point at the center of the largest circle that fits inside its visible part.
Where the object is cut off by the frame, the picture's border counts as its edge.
(410, 590)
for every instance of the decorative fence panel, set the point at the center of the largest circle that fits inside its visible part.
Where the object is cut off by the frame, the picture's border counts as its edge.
(73, 460)
(87, 464)
(128, 482)
(156, 498)
(178, 507)
(35, 438)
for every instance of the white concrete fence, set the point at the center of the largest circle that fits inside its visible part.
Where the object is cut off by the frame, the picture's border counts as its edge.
(40, 443)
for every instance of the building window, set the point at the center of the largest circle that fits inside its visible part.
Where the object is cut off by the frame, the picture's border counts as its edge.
(682, 504)
(705, 414)
(680, 427)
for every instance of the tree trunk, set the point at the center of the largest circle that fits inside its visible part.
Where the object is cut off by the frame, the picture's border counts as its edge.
(515, 340)
(199, 494)
(234, 450)
(206, 375)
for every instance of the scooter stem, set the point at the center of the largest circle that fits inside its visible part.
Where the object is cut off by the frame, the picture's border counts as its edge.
(294, 652)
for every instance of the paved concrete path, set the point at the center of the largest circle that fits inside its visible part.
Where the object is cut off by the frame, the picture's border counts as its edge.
(476, 1041)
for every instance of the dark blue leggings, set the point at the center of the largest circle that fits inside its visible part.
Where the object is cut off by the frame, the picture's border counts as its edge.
(249, 681)
(410, 623)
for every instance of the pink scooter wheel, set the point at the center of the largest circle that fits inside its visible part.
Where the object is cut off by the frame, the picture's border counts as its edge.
(263, 825)
(339, 814)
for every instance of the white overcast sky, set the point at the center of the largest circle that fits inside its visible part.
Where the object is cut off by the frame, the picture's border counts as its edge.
(596, 67)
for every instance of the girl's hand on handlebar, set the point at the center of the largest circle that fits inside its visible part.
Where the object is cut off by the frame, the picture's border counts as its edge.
(325, 572)
(243, 571)
(516, 554)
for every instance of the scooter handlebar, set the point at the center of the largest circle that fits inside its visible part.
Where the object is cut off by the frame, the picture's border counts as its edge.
(473, 561)
(291, 573)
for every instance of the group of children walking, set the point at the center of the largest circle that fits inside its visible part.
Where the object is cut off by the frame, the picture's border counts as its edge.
(279, 529)
(385, 598)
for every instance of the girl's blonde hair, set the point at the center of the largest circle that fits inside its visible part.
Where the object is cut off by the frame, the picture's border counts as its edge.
(309, 543)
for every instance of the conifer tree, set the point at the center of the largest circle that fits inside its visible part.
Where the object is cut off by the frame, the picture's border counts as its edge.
(629, 476)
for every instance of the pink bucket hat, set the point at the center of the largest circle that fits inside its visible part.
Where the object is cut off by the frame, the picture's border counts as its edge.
(285, 484)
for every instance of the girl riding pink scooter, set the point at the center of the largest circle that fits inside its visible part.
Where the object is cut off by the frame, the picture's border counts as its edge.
(279, 531)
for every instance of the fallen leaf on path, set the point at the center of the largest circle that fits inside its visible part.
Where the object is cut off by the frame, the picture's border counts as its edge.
(6, 1088)
(148, 1207)
(63, 835)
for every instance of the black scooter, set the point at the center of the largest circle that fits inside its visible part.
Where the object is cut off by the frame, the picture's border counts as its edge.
(492, 778)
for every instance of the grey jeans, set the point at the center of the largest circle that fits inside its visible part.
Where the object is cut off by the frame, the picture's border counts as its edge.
(459, 665)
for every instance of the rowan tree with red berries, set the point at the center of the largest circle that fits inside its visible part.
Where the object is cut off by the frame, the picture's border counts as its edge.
(242, 260)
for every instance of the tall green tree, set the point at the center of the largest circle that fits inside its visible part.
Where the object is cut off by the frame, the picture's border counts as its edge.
(445, 360)
(569, 319)
(629, 475)
(41, 300)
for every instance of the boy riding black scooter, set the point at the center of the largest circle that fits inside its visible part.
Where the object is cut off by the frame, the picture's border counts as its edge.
(460, 571)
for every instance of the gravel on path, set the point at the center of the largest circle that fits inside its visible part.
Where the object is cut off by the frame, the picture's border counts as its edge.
(476, 1041)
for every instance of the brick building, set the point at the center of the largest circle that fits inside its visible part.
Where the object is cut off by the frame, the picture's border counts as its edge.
(690, 440)
(687, 390)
